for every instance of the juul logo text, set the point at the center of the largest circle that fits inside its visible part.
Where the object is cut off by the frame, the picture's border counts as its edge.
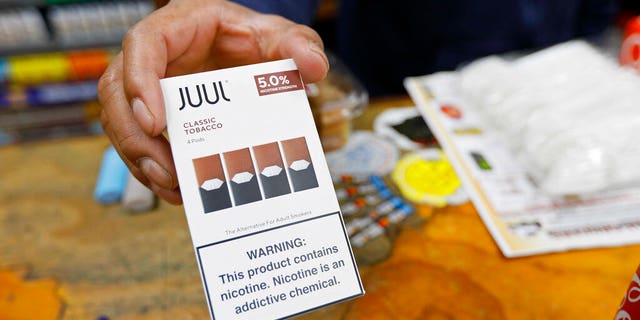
(205, 94)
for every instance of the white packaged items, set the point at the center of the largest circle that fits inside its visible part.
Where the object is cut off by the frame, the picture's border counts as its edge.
(569, 112)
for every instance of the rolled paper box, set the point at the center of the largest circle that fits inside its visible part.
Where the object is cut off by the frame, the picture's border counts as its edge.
(137, 197)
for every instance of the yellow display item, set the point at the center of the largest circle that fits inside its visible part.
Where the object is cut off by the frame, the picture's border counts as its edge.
(38, 68)
(426, 177)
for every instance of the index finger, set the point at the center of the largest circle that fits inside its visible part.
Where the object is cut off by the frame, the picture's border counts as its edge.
(145, 58)
(208, 35)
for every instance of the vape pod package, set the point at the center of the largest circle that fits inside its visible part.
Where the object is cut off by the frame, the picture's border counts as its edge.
(264, 219)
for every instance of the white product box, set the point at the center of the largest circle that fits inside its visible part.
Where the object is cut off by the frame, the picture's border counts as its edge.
(263, 215)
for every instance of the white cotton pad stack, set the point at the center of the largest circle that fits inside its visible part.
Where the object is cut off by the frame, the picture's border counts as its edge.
(569, 112)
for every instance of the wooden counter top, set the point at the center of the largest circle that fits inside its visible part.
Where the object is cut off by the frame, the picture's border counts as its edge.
(67, 257)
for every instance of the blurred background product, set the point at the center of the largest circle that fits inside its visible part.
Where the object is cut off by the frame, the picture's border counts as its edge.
(335, 101)
(630, 48)
(52, 53)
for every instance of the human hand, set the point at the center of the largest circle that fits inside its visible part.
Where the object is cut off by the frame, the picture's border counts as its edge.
(188, 36)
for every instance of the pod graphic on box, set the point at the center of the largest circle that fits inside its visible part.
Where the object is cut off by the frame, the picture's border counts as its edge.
(299, 164)
(244, 183)
(272, 174)
(214, 191)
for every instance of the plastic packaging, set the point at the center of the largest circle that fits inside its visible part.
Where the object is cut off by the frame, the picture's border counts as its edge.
(568, 112)
(335, 101)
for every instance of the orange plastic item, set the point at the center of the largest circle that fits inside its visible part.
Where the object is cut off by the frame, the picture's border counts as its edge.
(630, 49)
(633, 26)
(32, 299)
(86, 65)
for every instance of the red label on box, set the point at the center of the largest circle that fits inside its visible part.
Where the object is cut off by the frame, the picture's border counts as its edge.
(278, 82)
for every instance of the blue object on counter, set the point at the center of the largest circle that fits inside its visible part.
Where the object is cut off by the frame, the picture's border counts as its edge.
(407, 209)
(397, 202)
(112, 178)
(5, 138)
(378, 182)
(385, 193)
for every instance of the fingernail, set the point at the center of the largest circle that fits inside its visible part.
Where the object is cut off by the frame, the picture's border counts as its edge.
(154, 172)
(143, 115)
(172, 196)
(315, 48)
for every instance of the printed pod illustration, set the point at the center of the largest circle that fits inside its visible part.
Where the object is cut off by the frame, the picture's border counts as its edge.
(272, 174)
(299, 164)
(214, 191)
(244, 183)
